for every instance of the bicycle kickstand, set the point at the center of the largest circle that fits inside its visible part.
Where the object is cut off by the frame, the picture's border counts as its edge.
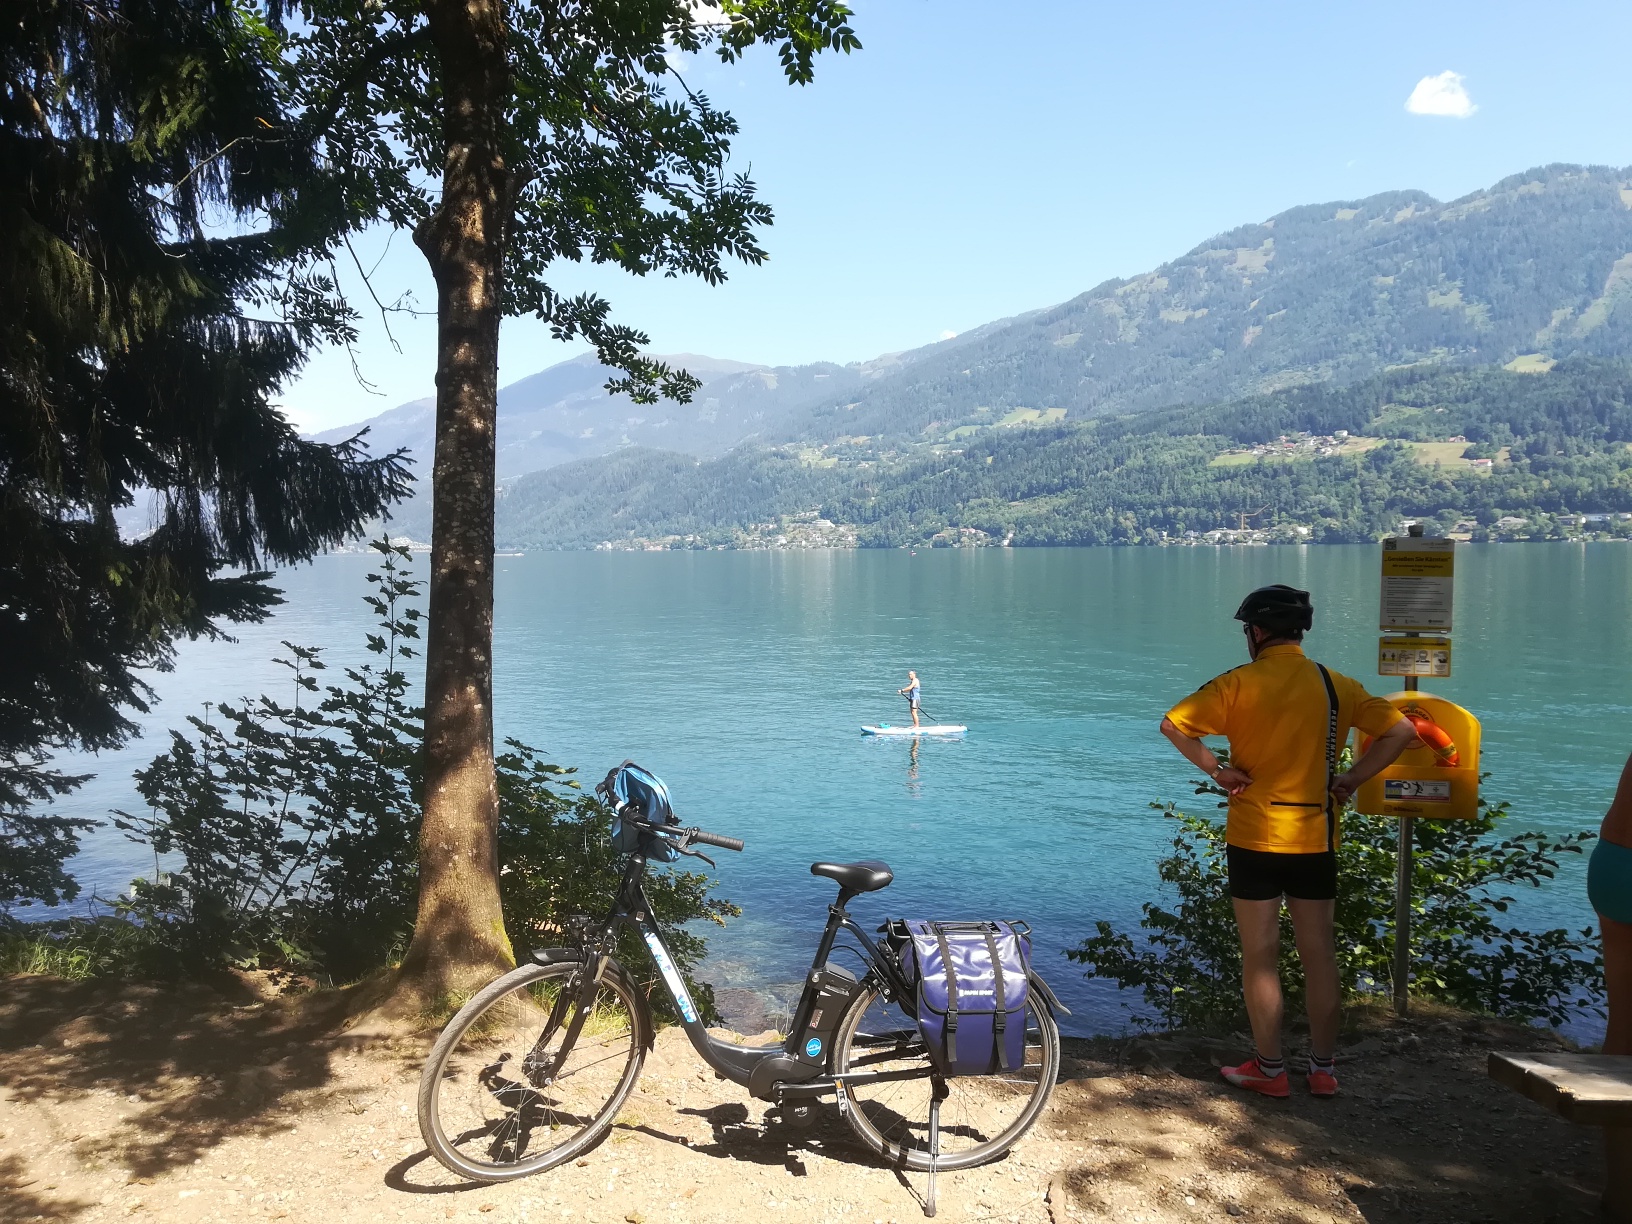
(938, 1093)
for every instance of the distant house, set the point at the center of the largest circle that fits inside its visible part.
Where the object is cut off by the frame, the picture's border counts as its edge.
(1456, 438)
(1481, 465)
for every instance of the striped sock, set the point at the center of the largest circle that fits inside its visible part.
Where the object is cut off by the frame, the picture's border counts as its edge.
(1317, 1063)
(1271, 1066)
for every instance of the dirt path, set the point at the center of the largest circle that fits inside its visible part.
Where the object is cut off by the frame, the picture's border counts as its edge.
(124, 1102)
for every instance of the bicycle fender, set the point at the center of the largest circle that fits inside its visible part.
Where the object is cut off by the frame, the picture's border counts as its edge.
(551, 956)
(557, 956)
(1055, 1007)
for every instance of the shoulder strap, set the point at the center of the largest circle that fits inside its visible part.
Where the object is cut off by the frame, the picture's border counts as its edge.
(1331, 755)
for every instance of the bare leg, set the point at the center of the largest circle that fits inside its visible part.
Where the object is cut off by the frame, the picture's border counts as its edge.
(1317, 952)
(1260, 925)
(915, 714)
(1618, 977)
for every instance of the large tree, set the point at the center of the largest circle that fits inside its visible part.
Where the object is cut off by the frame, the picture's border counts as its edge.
(164, 226)
(507, 136)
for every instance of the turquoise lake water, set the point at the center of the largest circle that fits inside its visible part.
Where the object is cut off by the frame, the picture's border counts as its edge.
(743, 679)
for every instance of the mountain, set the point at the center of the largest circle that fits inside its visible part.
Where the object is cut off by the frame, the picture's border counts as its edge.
(564, 413)
(1486, 449)
(1539, 263)
(1535, 271)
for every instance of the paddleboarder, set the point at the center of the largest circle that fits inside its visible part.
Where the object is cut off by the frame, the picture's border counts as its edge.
(911, 694)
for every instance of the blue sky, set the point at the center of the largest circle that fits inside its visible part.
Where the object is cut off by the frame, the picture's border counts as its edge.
(974, 161)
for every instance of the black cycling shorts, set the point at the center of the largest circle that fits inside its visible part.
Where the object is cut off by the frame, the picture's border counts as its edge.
(1263, 875)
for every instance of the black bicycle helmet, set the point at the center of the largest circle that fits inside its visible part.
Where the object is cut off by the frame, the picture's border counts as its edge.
(1278, 608)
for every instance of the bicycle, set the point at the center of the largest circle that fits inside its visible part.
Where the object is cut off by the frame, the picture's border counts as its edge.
(534, 1069)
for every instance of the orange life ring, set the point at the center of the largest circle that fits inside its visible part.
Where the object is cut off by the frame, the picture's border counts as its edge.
(1432, 736)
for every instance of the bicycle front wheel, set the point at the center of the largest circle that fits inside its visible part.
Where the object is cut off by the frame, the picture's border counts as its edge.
(499, 1099)
(981, 1116)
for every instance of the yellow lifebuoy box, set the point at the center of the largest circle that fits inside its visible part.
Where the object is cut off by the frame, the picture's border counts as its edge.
(1438, 776)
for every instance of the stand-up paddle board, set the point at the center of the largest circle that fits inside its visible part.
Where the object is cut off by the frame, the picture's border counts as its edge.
(909, 729)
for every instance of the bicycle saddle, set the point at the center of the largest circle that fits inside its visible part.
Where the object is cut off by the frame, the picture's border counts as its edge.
(869, 875)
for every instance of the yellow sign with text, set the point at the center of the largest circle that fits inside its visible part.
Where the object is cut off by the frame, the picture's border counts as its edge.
(1438, 776)
(1414, 656)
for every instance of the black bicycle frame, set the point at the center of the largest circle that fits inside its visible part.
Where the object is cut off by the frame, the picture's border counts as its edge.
(769, 1072)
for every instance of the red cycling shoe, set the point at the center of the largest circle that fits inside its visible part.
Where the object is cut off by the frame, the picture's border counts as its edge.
(1251, 1076)
(1322, 1083)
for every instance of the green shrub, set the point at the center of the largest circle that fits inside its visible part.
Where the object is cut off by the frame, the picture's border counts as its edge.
(559, 861)
(296, 827)
(1188, 963)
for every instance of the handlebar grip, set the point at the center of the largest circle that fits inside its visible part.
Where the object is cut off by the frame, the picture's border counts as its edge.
(717, 839)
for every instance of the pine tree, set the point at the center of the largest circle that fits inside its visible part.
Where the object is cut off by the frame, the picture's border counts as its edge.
(161, 266)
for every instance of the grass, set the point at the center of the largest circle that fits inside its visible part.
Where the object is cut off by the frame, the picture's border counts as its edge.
(1530, 363)
(77, 948)
(1447, 453)
(1033, 416)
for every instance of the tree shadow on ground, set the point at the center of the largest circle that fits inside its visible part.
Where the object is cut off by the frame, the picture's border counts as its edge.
(200, 1064)
(20, 1196)
(1418, 1133)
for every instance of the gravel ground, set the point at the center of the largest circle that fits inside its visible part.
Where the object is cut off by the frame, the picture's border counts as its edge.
(122, 1101)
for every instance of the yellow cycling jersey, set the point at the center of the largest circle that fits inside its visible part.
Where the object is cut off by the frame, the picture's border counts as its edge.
(1274, 712)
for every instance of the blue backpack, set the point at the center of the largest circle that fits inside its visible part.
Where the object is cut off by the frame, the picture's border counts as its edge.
(971, 981)
(638, 792)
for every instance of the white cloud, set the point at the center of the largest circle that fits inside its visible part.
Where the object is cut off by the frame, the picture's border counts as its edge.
(949, 335)
(1441, 95)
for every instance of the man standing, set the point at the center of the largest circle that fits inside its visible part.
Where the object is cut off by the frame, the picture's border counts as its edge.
(911, 694)
(1286, 718)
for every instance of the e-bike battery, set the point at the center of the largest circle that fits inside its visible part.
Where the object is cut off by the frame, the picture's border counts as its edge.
(833, 986)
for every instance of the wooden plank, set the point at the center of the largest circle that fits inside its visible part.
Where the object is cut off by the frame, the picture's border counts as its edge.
(1590, 1089)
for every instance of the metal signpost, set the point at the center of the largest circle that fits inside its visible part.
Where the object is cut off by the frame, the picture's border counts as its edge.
(1417, 586)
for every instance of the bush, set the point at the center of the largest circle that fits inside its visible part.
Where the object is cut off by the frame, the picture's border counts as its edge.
(1188, 964)
(296, 826)
(558, 861)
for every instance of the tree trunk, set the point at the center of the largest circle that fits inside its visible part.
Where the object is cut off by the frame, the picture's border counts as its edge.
(459, 939)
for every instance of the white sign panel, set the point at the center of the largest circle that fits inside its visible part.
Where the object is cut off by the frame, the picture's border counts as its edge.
(1418, 580)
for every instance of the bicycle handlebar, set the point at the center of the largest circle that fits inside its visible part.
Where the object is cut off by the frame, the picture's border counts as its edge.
(716, 839)
(692, 836)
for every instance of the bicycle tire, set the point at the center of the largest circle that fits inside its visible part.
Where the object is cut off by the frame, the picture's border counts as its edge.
(460, 1075)
(893, 1119)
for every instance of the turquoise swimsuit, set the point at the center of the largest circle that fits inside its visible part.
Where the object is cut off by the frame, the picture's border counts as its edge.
(1609, 881)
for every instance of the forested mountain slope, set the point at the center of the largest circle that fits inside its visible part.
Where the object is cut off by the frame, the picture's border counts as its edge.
(1332, 463)
(1539, 263)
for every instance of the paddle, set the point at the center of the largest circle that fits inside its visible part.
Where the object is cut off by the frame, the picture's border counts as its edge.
(921, 709)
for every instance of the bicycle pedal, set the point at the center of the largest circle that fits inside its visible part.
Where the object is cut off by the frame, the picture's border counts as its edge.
(798, 1116)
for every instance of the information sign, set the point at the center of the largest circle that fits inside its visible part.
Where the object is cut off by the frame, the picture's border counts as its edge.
(1413, 656)
(1417, 583)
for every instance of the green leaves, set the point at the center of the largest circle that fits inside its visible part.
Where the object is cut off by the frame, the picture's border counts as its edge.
(296, 826)
(611, 156)
(1188, 965)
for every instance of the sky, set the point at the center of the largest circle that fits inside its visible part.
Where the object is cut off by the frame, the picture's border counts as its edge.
(974, 161)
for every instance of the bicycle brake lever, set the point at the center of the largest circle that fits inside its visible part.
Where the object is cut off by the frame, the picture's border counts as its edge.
(690, 853)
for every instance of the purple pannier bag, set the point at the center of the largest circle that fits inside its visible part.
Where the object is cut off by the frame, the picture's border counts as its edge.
(973, 1018)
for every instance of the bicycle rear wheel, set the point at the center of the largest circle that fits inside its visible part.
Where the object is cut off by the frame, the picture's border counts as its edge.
(498, 1101)
(981, 1116)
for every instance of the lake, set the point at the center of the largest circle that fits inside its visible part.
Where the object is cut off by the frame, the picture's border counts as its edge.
(742, 678)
